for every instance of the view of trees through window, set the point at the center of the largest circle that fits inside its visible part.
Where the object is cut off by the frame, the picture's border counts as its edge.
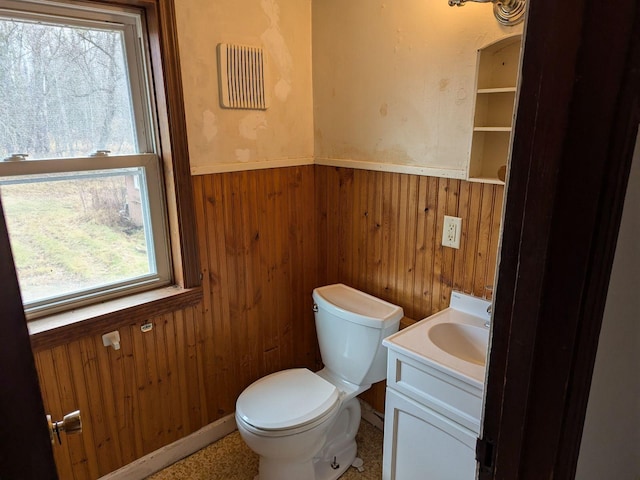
(65, 93)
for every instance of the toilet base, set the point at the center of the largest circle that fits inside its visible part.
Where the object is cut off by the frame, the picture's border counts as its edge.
(333, 458)
(339, 451)
(331, 470)
(278, 470)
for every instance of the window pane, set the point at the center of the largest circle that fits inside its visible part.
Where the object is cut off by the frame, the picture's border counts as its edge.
(63, 91)
(77, 231)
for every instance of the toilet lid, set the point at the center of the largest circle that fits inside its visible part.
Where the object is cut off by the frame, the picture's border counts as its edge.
(287, 399)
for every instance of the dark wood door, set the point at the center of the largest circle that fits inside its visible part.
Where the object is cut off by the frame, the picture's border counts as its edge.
(576, 126)
(25, 448)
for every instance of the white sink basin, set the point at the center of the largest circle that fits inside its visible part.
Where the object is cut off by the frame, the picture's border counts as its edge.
(466, 342)
(454, 340)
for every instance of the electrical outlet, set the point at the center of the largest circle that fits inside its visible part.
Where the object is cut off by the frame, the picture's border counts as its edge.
(451, 232)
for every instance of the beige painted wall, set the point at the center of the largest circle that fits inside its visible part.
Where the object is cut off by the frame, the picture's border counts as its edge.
(394, 80)
(222, 139)
(611, 435)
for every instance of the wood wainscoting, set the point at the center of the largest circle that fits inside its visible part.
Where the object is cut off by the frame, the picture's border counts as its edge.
(133, 400)
(382, 232)
(260, 265)
(267, 238)
(258, 247)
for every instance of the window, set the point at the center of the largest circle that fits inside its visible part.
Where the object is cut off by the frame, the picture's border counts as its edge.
(81, 181)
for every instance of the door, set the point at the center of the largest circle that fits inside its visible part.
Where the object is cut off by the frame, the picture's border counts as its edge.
(576, 124)
(25, 446)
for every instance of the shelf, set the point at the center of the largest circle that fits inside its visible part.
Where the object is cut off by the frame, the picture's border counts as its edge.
(489, 151)
(494, 109)
(491, 129)
(496, 90)
(493, 180)
(498, 63)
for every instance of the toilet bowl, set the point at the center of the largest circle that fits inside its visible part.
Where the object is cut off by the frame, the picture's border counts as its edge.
(303, 424)
(302, 409)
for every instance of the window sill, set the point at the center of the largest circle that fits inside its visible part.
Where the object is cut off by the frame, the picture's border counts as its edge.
(62, 328)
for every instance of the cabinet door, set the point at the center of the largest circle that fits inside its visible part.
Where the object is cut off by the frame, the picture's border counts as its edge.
(422, 444)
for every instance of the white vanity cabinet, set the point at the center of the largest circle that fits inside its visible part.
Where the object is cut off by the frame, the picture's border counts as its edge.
(433, 403)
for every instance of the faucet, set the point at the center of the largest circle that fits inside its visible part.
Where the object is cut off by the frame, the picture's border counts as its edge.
(487, 322)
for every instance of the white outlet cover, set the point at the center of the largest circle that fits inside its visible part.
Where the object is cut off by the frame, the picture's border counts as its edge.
(451, 231)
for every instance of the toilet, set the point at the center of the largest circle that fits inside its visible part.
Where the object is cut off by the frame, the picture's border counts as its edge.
(303, 424)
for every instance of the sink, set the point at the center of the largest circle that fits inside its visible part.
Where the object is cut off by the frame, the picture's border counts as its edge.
(466, 342)
(454, 340)
(435, 386)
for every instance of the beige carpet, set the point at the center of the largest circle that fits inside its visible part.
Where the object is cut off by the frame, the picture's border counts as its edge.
(230, 459)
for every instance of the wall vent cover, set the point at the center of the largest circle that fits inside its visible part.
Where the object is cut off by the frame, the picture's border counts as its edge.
(241, 72)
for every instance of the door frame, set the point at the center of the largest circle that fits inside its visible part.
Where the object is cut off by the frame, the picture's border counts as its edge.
(575, 131)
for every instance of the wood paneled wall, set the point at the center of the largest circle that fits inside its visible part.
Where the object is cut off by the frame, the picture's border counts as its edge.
(133, 400)
(260, 266)
(259, 263)
(382, 233)
(267, 238)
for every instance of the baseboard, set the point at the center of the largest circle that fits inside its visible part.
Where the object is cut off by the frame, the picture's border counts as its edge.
(169, 454)
(372, 416)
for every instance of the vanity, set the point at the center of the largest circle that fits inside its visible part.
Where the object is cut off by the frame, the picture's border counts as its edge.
(435, 385)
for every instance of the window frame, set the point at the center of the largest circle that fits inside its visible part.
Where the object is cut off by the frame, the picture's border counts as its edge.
(157, 227)
(172, 151)
(131, 23)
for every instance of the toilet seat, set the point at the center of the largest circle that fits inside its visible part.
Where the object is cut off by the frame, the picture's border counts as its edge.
(287, 402)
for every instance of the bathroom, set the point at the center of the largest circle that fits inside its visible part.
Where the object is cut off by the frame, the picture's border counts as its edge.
(346, 178)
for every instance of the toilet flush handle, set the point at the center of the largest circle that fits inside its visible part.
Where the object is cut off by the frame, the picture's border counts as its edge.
(315, 308)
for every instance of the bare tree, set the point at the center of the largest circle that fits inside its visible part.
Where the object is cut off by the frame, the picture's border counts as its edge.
(63, 91)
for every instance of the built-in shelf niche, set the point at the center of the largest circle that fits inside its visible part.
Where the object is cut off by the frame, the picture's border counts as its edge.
(497, 75)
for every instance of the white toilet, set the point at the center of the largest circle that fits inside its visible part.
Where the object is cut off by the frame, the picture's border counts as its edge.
(303, 424)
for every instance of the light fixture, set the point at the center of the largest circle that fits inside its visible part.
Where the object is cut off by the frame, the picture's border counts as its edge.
(507, 12)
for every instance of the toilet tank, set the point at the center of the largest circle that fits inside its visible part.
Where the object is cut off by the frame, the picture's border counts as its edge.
(350, 325)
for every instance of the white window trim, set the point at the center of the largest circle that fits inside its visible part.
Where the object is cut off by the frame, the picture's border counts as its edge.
(131, 24)
(159, 230)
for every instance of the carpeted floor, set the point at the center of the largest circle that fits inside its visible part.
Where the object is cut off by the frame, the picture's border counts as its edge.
(230, 459)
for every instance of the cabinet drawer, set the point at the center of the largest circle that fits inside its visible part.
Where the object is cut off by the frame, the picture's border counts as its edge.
(430, 387)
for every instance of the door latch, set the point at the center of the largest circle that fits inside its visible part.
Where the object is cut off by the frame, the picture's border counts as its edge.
(485, 456)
